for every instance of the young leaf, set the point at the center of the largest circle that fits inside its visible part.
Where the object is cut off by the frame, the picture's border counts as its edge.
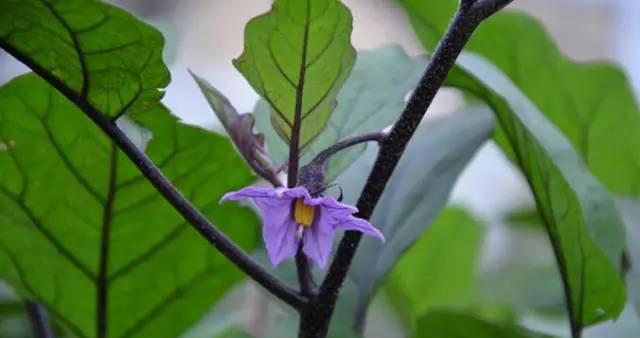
(405, 210)
(439, 269)
(459, 325)
(240, 130)
(371, 99)
(100, 54)
(591, 103)
(580, 217)
(297, 56)
(88, 235)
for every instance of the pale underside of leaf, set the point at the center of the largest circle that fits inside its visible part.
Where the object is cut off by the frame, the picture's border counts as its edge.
(408, 206)
(370, 100)
(585, 230)
(592, 103)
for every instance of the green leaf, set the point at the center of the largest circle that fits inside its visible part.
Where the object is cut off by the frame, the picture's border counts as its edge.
(630, 211)
(405, 209)
(297, 56)
(459, 325)
(525, 278)
(100, 53)
(580, 216)
(591, 103)
(234, 333)
(240, 130)
(65, 184)
(526, 216)
(371, 99)
(439, 269)
(65, 180)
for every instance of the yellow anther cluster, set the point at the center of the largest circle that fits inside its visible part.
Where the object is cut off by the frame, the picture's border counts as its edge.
(302, 213)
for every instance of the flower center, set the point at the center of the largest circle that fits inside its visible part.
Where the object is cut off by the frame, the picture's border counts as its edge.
(302, 213)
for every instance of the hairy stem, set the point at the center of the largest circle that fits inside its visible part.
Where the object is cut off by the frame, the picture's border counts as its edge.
(467, 18)
(324, 155)
(38, 319)
(154, 175)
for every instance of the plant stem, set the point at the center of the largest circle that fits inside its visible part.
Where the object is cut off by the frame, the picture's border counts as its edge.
(154, 175)
(324, 155)
(305, 277)
(38, 319)
(467, 18)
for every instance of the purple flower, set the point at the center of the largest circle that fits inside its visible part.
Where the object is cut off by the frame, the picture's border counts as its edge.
(292, 215)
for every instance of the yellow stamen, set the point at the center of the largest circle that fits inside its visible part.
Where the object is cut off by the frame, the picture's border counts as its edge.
(302, 213)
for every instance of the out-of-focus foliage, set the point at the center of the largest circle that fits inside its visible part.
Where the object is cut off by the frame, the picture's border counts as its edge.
(580, 217)
(372, 98)
(405, 210)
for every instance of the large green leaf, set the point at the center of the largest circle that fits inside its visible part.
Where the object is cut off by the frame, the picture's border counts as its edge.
(439, 270)
(591, 103)
(297, 56)
(580, 217)
(65, 188)
(101, 53)
(408, 206)
(583, 224)
(459, 325)
(371, 99)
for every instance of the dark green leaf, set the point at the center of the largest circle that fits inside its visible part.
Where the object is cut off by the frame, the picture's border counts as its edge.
(591, 103)
(54, 203)
(439, 269)
(579, 215)
(408, 206)
(101, 53)
(457, 325)
(372, 99)
(297, 56)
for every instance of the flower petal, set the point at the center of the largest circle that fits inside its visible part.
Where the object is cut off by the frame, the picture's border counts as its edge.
(318, 239)
(358, 224)
(278, 226)
(280, 239)
(249, 192)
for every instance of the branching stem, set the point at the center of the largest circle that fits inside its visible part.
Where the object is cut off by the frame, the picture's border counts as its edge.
(469, 15)
(324, 155)
(154, 175)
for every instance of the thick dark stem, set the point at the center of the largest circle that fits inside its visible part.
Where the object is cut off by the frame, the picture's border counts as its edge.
(154, 175)
(38, 319)
(324, 155)
(465, 21)
(305, 277)
(102, 283)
